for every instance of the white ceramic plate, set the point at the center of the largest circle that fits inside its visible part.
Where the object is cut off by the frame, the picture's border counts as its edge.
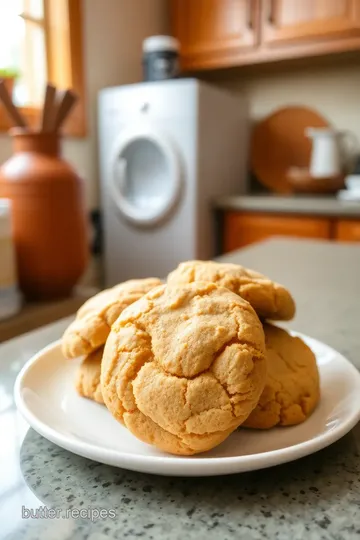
(45, 395)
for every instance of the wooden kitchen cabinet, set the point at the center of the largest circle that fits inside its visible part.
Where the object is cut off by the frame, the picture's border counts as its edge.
(219, 33)
(347, 230)
(289, 21)
(214, 32)
(241, 229)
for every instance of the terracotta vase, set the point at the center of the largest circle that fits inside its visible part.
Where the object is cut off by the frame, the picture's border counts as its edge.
(49, 218)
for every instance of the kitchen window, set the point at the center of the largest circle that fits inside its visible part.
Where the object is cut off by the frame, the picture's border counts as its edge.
(40, 41)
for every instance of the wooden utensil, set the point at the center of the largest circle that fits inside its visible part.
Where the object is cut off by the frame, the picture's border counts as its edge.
(10, 107)
(47, 116)
(64, 103)
(279, 142)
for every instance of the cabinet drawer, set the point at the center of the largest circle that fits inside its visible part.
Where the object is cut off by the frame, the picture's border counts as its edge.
(242, 229)
(347, 230)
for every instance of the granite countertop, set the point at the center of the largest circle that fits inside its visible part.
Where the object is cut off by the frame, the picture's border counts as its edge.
(317, 497)
(290, 204)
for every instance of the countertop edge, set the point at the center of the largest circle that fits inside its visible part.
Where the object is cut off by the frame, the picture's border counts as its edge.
(321, 206)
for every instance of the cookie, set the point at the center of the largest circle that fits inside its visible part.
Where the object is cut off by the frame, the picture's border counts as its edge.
(184, 366)
(93, 320)
(292, 388)
(88, 376)
(269, 299)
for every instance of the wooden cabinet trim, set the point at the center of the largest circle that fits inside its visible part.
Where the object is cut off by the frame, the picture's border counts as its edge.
(248, 57)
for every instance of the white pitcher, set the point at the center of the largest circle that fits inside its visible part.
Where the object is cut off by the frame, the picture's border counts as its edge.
(327, 157)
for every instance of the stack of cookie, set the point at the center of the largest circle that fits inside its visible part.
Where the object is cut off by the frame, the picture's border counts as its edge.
(291, 390)
(184, 364)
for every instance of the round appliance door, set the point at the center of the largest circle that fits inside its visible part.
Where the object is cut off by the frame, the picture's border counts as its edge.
(145, 176)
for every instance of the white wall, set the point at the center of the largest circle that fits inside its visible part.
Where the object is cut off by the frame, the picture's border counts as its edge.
(113, 33)
(333, 90)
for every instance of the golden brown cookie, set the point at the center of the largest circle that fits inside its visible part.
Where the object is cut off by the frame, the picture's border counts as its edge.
(292, 388)
(88, 376)
(269, 299)
(184, 366)
(93, 320)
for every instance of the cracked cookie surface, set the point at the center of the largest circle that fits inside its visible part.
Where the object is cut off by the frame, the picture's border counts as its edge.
(292, 388)
(92, 325)
(88, 376)
(269, 299)
(184, 366)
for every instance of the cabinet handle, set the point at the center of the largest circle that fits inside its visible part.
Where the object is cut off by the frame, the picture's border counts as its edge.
(249, 14)
(271, 16)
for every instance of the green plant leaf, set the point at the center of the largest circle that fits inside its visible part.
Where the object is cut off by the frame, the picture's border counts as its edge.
(9, 72)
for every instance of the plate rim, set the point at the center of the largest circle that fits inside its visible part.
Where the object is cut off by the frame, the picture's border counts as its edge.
(188, 465)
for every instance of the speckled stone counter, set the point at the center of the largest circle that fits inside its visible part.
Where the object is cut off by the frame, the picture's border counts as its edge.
(315, 206)
(317, 497)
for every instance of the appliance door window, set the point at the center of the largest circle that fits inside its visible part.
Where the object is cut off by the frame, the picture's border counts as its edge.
(145, 177)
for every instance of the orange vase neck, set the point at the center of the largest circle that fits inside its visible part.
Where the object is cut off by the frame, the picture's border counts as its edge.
(43, 143)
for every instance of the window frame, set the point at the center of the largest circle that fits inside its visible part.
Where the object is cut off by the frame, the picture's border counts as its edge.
(75, 125)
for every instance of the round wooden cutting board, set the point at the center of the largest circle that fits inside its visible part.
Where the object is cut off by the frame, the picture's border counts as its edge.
(279, 142)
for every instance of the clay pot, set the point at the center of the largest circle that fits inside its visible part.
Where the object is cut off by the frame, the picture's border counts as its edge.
(49, 218)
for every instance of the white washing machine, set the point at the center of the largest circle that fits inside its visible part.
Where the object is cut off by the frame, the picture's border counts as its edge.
(166, 149)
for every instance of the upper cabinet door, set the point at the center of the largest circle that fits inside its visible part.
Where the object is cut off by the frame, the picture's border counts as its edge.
(214, 32)
(286, 21)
